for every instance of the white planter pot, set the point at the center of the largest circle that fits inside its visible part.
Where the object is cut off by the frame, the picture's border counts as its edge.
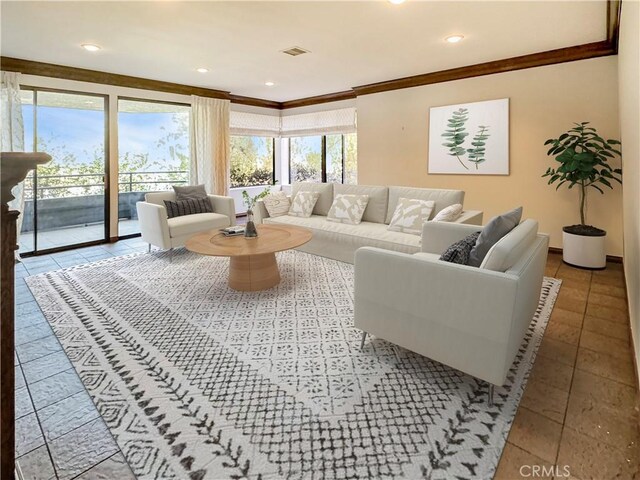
(583, 251)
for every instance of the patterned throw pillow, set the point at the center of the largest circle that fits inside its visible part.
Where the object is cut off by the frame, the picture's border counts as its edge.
(459, 251)
(410, 215)
(187, 207)
(347, 208)
(277, 204)
(303, 203)
(449, 214)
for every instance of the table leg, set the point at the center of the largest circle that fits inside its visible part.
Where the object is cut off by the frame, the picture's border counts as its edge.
(251, 273)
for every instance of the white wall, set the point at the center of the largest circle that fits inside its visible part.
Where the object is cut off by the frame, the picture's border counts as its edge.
(629, 85)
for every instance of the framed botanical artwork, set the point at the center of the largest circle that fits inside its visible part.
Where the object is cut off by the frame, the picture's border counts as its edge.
(470, 138)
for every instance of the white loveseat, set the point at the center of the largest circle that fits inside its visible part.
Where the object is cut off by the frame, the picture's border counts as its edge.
(472, 319)
(340, 241)
(167, 233)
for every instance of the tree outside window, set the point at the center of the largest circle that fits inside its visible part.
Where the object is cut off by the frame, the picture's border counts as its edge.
(328, 158)
(252, 161)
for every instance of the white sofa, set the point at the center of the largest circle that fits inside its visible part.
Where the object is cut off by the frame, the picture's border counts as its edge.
(168, 233)
(472, 319)
(340, 241)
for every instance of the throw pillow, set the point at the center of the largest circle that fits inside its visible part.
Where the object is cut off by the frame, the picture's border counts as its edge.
(303, 203)
(277, 204)
(449, 214)
(410, 215)
(459, 251)
(189, 192)
(187, 207)
(493, 231)
(347, 208)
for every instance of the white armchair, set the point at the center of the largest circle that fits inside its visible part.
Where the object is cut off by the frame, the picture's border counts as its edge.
(471, 319)
(168, 233)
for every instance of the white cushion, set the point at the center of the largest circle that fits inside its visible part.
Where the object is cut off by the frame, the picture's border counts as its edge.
(277, 204)
(442, 198)
(510, 248)
(449, 214)
(410, 215)
(365, 234)
(376, 210)
(198, 222)
(325, 191)
(303, 203)
(348, 208)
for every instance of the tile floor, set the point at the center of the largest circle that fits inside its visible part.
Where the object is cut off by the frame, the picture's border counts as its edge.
(579, 408)
(59, 432)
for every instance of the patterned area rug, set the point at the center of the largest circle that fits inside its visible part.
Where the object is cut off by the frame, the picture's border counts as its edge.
(197, 381)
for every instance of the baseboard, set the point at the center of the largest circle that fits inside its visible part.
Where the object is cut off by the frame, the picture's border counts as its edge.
(610, 258)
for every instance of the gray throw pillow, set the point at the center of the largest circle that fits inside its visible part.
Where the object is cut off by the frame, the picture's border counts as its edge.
(493, 231)
(190, 192)
(459, 251)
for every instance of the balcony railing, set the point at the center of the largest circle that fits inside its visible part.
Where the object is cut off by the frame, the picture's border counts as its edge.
(47, 186)
(60, 204)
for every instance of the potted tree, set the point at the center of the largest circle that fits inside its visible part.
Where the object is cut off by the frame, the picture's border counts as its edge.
(584, 158)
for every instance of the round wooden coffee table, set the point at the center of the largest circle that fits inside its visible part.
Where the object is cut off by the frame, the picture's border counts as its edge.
(252, 261)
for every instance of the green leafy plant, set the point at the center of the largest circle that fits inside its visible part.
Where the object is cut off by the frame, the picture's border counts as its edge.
(456, 134)
(250, 201)
(478, 152)
(584, 161)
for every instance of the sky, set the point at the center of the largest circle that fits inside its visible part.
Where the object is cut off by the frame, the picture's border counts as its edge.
(82, 131)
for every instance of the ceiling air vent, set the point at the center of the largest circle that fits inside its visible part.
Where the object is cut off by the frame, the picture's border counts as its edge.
(295, 51)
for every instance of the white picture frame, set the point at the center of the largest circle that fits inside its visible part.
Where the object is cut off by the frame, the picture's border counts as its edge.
(469, 138)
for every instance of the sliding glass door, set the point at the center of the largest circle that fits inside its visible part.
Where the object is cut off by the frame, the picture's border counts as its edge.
(66, 199)
(153, 154)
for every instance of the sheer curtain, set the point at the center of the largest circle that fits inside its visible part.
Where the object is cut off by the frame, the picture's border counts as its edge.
(12, 129)
(210, 144)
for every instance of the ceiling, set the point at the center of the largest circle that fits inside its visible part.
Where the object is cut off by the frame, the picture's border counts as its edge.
(351, 43)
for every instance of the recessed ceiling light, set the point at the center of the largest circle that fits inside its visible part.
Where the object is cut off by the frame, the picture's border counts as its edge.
(90, 47)
(202, 70)
(454, 38)
(269, 84)
(396, 2)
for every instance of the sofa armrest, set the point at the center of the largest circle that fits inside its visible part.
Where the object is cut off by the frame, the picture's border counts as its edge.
(470, 217)
(438, 236)
(259, 212)
(225, 206)
(154, 228)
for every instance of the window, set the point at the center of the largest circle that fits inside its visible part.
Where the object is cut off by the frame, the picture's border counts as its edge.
(305, 159)
(153, 153)
(323, 158)
(252, 161)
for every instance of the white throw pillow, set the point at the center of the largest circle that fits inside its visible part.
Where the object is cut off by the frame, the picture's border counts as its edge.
(449, 214)
(277, 204)
(348, 208)
(410, 215)
(303, 203)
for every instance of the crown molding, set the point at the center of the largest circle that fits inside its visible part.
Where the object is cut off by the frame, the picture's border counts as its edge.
(30, 67)
(551, 57)
(329, 97)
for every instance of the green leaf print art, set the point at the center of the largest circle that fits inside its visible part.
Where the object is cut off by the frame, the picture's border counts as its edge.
(478, 152)
(455, 134)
